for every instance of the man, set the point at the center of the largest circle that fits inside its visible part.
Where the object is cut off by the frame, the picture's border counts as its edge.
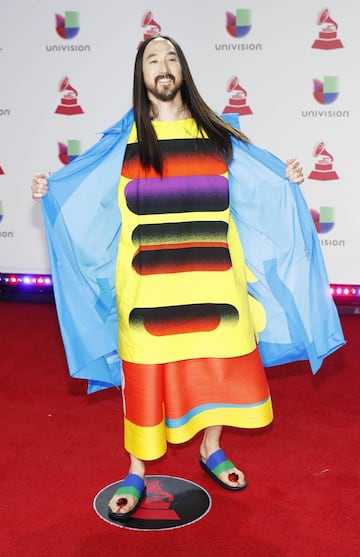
(186, 325)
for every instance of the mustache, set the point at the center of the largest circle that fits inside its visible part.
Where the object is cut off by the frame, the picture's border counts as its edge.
(164, 76)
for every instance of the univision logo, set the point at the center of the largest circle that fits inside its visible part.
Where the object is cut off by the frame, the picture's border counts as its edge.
(67, 152)
(4, 233)
(326, 91)
(324, 219)
(67, 25)
(238, 24)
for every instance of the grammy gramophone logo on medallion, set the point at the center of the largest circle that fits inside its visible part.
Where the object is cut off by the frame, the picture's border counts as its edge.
(169, 503)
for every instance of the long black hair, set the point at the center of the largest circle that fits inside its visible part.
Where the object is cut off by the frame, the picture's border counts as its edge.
(218, 131)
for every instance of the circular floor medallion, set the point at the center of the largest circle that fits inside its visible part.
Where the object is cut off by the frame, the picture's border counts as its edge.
(169, 503)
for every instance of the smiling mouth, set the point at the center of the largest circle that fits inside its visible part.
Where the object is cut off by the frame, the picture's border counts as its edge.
(164, 79)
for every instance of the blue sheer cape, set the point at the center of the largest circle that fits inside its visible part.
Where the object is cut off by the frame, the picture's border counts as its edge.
(83, 223)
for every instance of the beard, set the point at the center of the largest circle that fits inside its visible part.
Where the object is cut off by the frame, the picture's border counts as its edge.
(165, 92)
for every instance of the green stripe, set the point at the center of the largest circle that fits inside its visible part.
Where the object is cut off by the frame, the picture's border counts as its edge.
(128, 490)
(223, 467)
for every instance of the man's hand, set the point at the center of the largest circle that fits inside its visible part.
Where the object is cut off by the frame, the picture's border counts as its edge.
(294, 172)
(39, 186)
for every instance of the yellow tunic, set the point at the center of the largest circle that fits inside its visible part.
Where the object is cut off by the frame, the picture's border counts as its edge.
(186, 334)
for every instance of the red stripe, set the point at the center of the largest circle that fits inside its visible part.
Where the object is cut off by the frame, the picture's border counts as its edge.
(178, 327)
(194, 165)
(182, 245)
(239, 380)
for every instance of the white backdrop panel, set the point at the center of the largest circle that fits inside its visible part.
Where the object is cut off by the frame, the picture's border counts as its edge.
(274, 63)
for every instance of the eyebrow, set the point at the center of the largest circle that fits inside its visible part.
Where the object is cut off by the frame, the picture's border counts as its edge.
(171, 52)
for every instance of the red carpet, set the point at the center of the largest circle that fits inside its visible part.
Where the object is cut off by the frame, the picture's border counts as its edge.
(60, 447)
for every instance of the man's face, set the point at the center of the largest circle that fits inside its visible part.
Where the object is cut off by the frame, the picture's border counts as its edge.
(161, 70)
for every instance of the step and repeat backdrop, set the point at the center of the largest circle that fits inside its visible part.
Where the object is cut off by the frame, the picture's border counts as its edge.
(290, 70)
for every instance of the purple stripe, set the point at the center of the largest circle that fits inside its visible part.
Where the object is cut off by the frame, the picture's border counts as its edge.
(177, 194)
